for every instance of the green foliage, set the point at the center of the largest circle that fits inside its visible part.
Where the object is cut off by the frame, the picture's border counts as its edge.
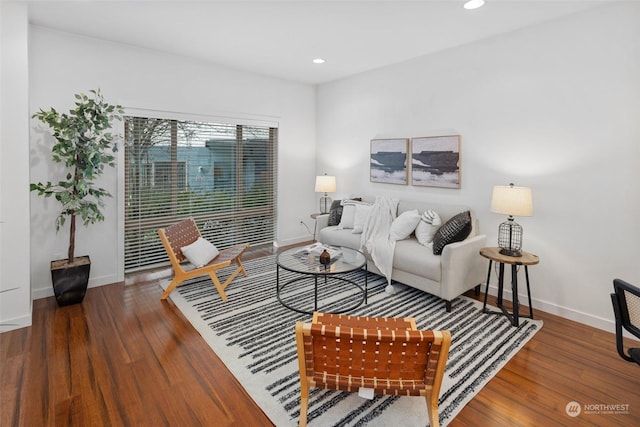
(85, 146)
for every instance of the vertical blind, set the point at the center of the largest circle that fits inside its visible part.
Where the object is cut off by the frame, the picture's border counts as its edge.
(223, 175)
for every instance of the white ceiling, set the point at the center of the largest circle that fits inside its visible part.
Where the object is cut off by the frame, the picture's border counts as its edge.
(280, 38)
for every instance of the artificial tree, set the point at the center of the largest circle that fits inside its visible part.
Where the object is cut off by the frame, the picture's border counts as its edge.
(85, 145)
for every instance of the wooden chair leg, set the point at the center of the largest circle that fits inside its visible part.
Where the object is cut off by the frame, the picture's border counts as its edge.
(227, 282)
(304, 405)
(180, 277)
(219, 287)
(241, 266)
(432, 410)
(175, 282)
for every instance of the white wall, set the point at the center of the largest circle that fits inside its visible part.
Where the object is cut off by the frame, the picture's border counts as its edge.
(15, 292)
(62, 64)
(554, 107)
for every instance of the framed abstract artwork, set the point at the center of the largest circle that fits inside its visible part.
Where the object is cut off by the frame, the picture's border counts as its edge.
(388, 161)
(435, 161)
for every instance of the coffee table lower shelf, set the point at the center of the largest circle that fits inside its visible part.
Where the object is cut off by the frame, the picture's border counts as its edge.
(327, 283)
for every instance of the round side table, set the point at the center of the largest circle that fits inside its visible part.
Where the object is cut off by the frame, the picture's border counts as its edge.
(527, 259)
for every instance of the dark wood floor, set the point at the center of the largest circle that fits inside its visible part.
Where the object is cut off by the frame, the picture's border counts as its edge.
(125, 358)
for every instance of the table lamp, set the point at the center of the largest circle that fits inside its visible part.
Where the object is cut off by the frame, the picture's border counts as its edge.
(513, 201)
(325, 184)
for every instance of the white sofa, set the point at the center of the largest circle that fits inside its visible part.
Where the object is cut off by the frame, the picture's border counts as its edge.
(458, 269)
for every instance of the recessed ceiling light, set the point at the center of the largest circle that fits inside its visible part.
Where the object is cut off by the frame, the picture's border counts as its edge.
(318, 61)
(473, 4)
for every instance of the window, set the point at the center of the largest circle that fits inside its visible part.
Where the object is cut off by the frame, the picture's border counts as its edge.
(224, 175)
(162, 174)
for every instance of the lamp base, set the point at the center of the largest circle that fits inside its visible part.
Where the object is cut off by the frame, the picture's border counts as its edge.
(325, 204)
(509, 252)
(510, 238)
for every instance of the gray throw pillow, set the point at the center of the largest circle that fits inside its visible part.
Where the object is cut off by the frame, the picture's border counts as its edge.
(335, 213)
(455, 230)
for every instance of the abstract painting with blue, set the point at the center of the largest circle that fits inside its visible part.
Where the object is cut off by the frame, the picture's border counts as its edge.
(389, 161)
(435, 161)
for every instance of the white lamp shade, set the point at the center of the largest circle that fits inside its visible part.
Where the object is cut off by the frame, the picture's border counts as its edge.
(511, 200)
(473, 4)
(325, 184)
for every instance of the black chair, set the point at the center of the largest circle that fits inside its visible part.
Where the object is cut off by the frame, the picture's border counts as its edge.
(626, 307)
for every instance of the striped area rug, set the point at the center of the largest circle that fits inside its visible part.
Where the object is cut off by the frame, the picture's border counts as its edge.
(254, 335)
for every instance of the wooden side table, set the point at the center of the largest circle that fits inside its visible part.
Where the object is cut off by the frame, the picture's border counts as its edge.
(527, 259)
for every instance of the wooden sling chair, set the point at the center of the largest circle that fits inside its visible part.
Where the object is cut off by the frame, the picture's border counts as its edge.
(184, 233)
(388, 355)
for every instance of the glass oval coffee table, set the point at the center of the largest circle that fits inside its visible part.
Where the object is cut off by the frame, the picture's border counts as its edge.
(304, 285)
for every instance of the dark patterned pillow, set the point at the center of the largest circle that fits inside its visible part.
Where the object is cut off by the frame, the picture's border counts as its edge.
(455, 230)
(335, 213)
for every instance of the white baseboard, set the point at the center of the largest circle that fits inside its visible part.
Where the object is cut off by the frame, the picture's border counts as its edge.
(15, 323)
(293, 241)
(558, 310)
(45, 292)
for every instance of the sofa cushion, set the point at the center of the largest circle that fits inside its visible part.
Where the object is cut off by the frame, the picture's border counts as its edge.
(429, 223)
(335, 236)
(455, 230)
(414, 258)
(404, 225)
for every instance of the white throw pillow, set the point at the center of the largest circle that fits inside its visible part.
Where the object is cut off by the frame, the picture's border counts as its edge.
(349, 213)
(404, 224)
(348, 216)
(200, 252)
(429, 223)
(362, 211)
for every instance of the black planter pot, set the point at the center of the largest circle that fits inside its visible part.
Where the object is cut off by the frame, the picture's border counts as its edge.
(70, 280)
